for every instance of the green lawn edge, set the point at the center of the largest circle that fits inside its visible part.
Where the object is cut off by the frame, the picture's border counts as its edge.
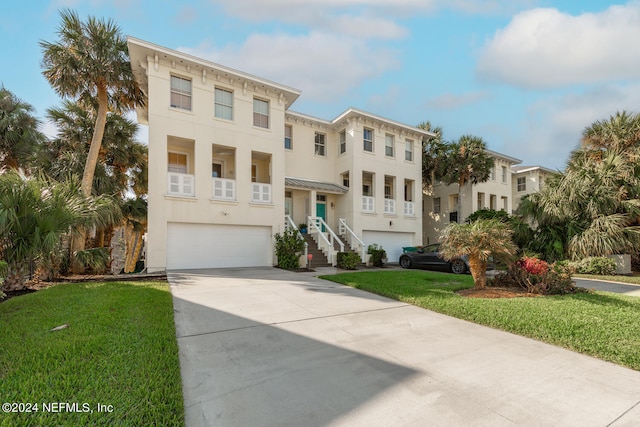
(600, 324)
(119, 351)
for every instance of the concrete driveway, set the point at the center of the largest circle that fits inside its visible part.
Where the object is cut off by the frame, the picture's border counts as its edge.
(266, 347)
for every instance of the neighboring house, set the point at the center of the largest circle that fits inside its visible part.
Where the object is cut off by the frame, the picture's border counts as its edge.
(528, 180)
(230, 166)
(441, 203)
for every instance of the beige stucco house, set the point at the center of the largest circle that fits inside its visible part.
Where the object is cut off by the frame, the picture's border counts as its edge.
(528, 180)
(441, 202)
(230, 165)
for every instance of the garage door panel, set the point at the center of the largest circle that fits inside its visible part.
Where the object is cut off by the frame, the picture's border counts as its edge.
(391, 242)
(217, 246)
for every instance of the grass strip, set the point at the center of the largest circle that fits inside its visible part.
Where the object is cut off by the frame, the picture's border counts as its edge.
(600, 324)
(119, 351)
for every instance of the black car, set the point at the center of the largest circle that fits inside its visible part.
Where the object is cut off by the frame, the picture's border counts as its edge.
(429, 257)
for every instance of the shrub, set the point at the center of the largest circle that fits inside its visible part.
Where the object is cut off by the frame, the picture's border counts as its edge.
(595, 265)
(555, 280)
(348, 260)
(289, 247)
(377, 254)
(533, 265)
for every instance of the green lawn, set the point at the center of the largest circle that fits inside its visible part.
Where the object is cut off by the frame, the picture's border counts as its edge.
(119, 351)
(599, 324)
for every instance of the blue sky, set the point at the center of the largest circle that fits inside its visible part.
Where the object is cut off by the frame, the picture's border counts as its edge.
(525, 75)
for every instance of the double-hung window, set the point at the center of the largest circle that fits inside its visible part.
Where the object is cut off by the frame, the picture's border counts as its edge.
(260, 113)
(320, 144)
(408, 150)
(343, 142)
(180, 93)
(288, 137)
(522, 183)
(224, 104)
(367, 140)
(388, 145)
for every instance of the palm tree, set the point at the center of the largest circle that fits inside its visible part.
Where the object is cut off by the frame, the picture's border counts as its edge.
(90, 63)
(433, 151)
(620, 133)
(466, 161)
(479, 240)
(34, 213)
(19, 135)
(122, 162)
(593, 208)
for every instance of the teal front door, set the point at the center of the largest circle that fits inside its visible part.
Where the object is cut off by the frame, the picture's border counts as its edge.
(321, 211)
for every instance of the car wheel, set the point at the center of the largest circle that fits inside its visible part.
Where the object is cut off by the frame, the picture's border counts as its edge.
(458, 266)
(405, 262)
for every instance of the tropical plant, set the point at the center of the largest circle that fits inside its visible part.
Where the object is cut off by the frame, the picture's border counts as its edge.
(19, 135)
(95, 260)
(34, 213)
(90, 63)
(289, 247)
(122, 165)
(522, 233)
(480, 241)
(593, 208)
(433, 154)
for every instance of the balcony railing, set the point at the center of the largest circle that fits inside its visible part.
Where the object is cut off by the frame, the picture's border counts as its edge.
(389, 206)
(260, 193)
(180, 184)
(224, 189)
(368, 204)
(409, 209)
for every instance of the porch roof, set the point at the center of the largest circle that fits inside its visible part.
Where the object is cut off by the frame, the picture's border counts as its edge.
(307, 184)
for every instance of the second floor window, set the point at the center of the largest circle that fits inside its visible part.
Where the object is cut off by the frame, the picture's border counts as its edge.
(261, 113)
(504, 174)
(224, 104)
(180, 93)
(177, 162)
(288, 141)
(320, 144)
(368, 140)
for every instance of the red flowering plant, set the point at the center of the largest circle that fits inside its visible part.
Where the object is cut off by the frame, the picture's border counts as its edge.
(533, 265)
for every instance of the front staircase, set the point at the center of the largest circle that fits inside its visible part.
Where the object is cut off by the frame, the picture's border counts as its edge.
(319, 259)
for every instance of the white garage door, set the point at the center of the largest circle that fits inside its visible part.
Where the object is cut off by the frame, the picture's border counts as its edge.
(391, 242)
(214, 246)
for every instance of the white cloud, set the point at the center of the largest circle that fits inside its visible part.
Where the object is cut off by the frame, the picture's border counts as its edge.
(323, 66)
(544, 48)
(553, 126)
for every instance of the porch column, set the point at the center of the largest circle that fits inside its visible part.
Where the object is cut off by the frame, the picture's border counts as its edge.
(312, 202)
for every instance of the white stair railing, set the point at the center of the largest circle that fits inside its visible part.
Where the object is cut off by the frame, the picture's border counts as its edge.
(289, 223)
(352, 238)
(325, 239)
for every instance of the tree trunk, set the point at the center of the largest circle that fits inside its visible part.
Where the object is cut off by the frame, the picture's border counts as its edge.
(478, 272)
(78, 244)
(134, 248)
(96, 141)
